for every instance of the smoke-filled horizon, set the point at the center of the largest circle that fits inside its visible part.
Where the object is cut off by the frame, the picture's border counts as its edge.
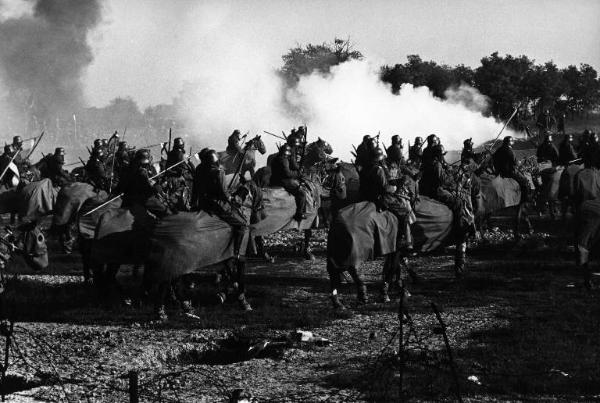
(215, 63)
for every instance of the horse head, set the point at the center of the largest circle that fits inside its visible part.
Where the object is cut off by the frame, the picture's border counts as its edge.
(257, 144)
(325, 146)
(27, 241)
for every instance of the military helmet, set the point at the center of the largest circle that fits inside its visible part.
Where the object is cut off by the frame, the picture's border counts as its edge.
(468, 142)
(234, 138)
(418, 141)
(439, 151)
(586, 132)
(17, 141)
(377, 155)
(178, 143)
(142, 156)
(396, 139)
(210, 157)
(285, 150)
(97, 143)
(59, 151)
(122, 145)
(104, 142)
(548, 137)
(293, 140)
(432, 140)
(98, 152)
(8, 149)
(507, 140)
(367, 138)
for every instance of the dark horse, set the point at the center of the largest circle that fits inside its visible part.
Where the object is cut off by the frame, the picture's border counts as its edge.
(316, 165)
(231, 161)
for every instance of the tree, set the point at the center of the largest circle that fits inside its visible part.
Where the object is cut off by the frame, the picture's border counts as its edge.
(304, 60)
(504, 80)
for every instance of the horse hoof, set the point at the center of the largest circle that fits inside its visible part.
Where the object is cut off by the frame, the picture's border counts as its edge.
(337, 304)
(309, 256)
(221, 298)
(244, 304)
(268, 258)
(386, 299)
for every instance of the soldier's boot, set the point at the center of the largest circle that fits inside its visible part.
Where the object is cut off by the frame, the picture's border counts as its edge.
(238, 238)
(244, 304)
(384, 292)
(460, 259)
(362, 295)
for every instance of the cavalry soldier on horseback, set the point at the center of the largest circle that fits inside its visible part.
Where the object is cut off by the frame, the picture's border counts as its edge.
(96, 170)
(141, 191)
(233, 143)
(428, 154)
(468, 156)
(415, 152)
(364, 151)
(566, 151)
(386, 194)
(51, 167)
(176, 155)
(178, 180)
(591, 150)
(212, 195)
(285, 173)
(20, 161)
(505, 164)
(547, 152)
(395, 151)
(294, 141)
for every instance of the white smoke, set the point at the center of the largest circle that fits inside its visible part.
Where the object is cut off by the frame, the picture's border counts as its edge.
(340, 107)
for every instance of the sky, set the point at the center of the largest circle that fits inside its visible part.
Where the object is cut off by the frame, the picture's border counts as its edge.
(147, 48)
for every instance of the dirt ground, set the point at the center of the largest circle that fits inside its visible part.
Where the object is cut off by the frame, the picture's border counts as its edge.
(520, 326)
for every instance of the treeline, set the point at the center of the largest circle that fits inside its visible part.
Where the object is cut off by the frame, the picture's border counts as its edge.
(507, 81)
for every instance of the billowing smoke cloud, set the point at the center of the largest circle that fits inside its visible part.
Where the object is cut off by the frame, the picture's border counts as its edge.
(340, 107)
(43, 53)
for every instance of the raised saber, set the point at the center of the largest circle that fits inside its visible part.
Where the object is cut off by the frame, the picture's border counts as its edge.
(275, 135)
(112, 167)
(152, 177)
(8, 166)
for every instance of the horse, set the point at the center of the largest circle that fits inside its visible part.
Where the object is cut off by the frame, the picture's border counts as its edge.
(316, 166)
(168, 249)
(231, 161)
(359, 232)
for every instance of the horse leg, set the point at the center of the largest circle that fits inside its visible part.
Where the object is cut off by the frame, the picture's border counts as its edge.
(240, 284)
(361, 288)
(583, 257)
(183, 287)
(460, 257)
(260, 248)
(161, 293)
(306, 245)
(335, 282)
(388, 276)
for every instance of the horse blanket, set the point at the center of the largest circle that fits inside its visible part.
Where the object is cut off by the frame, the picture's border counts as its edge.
(36, 199)
(498, 193)
(567, 181)
(70, 199)
(280, 207)
(550, 176)
(588, 226)
(181, 243)
(360, 233)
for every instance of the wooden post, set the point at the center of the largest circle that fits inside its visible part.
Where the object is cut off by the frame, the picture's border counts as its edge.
(449, 351)
(133, 387)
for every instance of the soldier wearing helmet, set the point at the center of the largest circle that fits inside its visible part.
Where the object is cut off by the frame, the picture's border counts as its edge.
(505, 164)
(211, 194)
(96, 170)
(566, 151)
(140, 189)
(468, 156)
(376, 188)
(285, 174)
(233, 143)
(395, 150)
(294, 141)
(51, 167)
(415, 152)
(364, 152)
(429, 151)
(547, 152)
